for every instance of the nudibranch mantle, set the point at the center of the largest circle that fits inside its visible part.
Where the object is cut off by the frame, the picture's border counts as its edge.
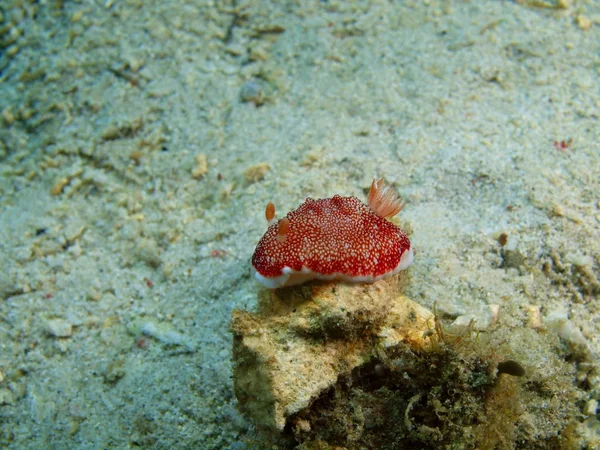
(333, 238)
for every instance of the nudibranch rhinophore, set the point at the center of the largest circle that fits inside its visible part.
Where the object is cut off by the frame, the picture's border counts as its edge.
(338, 238)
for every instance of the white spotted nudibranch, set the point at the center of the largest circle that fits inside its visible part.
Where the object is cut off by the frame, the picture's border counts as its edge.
(338, 238)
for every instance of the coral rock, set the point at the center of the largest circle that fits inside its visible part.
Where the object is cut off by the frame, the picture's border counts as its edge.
(301, 340)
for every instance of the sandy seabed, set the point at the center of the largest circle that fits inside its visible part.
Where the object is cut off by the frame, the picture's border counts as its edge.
(140, 142)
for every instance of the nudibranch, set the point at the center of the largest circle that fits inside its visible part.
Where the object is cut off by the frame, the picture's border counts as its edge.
(338, 238)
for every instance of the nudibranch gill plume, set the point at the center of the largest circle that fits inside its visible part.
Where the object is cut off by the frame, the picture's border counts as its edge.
(337, 238)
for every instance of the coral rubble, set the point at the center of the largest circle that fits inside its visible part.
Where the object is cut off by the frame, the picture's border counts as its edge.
(333, 365)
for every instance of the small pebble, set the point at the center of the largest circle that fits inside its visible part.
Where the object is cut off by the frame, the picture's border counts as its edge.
(94, 294)
(591, 407)
(6, 397)
(115, 371)
(200, 166)
(254, 91)
(77, 16)
(256, 172)
(59, 328)
(584, 22)
(511, 254)
(148, 250)
(165, 334)
(534, 316)
(58, 187)
(483, 319)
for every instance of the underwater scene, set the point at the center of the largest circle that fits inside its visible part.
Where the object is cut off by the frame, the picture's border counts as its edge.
(312, 225)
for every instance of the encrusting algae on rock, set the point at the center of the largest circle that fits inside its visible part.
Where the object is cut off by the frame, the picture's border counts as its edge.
(300, 341)
(358, 365)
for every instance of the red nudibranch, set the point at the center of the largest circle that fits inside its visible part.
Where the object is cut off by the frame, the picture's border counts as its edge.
(334, 238)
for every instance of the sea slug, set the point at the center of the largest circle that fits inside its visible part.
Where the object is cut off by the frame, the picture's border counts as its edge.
(337, 238)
